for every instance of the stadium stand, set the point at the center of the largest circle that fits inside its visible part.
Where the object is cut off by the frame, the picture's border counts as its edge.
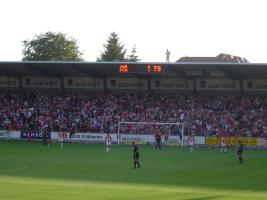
(211, 98)
(204, 114)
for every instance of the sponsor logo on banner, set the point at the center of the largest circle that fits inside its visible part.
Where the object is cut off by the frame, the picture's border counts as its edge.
(40, 82)
(129, 138)
(3, 134)
(34, 134)
(255, 84)
(126, 83)
(149, 139)
(262, 142)
(171, 84)
(137, 138)
(213, 140)
(88, 136)
(64, 135)
(8, 82)
(83, 83)
(232, 141)
(215, 84)
(172, 139)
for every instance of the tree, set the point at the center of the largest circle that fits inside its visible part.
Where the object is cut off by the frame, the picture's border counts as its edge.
(51, 46)
(133, 57)
(113, 49)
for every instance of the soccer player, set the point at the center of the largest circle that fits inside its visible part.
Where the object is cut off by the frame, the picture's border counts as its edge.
(240, 152)
(136, 156)
(158, 140)
(223, 145)
(108, 140)
(29, 136)
(191, 142)
(61, 140)
(44, 137)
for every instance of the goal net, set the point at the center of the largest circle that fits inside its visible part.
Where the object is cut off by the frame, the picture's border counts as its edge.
(145, 132)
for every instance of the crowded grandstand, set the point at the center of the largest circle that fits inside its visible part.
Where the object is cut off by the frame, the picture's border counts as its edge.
(100, 113)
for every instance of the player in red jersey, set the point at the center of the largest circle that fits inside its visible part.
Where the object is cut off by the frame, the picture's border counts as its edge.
(29, 136)
(61, 139)
(108, 140)
(191, 142)
(223, 145)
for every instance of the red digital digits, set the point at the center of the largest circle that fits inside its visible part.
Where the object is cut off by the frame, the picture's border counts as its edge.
(149, 68)
(154, 68)
(123, 68)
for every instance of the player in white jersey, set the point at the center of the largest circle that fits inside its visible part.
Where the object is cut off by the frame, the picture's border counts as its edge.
(108, 140)
(191, 142)
(223, 145)
(61, 139)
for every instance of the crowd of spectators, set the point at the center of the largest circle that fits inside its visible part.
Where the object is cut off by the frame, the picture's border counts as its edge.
(227, 115)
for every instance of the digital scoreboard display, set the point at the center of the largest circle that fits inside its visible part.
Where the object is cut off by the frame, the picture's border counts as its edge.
(146, 69)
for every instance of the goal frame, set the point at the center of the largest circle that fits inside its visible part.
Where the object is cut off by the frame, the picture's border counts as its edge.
(150, 123)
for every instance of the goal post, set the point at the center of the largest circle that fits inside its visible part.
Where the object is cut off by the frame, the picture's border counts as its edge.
(122, 123)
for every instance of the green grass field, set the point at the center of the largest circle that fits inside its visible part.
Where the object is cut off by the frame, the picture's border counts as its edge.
(29, 171)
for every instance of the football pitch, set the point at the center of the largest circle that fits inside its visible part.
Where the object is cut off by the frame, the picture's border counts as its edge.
(29, 171)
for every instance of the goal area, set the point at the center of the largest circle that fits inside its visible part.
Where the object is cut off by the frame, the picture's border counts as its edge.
(144, 132)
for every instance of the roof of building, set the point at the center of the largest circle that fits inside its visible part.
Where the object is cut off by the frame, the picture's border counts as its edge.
(108, 69)
(221, 58)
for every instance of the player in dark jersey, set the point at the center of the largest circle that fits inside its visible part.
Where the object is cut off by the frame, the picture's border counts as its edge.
(136, 156)
(158, 141)
(240, 153)
(44, 137)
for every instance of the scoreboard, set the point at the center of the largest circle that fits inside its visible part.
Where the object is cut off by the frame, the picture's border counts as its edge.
(142, 69)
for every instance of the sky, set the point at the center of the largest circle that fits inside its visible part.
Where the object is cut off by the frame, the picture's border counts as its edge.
(185, 27)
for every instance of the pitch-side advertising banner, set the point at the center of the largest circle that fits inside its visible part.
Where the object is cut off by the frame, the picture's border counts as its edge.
(127, 138)
(89, 137)
(9, 134)
(171, 139)
(63, 135)
(33, 134)
(262, 142)
(4, 134)
(232, 141)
